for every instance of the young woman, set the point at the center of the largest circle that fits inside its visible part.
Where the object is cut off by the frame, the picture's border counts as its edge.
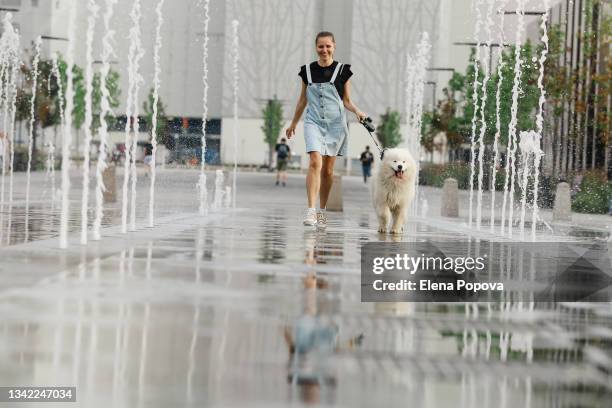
(326, 93)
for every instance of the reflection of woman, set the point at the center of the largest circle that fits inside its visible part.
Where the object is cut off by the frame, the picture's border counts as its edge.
(326, 92)
(311, 341)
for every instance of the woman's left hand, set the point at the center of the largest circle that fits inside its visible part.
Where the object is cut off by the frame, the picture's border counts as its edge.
(361, 116)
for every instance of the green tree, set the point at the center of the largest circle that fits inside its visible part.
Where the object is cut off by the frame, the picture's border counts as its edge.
(46, 107)
(430, 126)
(456, 110)
(47, 101)
(162, 121)
(112, 84)
(470, 109)
(273, 124)
(444, 118)
(388, 132)
(528, 94)
(577, 98)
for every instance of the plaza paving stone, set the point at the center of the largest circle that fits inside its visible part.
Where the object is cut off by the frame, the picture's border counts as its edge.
(194, 311)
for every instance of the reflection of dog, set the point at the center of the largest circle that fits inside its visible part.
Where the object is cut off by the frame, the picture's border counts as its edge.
(393, 189)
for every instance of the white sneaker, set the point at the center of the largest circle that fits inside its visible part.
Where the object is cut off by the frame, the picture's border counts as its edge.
(321, 220)
(311, 217)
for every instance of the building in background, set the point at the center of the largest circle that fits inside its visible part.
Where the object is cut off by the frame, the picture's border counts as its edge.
(578, 114)
(181, 56)
(275, 39)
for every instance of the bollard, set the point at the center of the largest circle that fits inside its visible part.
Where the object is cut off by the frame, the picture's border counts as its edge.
(109, 178)
(334, 203)
(450, 198)
(562, 209)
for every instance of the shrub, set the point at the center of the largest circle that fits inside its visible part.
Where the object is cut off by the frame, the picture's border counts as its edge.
(594, 194)
(21, 159)
(546, 195)
(546, 190)
(435, 174)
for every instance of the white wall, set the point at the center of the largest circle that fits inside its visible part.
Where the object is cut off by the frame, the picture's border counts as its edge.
(251, 148)
(181, 53)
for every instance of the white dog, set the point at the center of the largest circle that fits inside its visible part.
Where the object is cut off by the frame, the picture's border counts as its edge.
(393, 189)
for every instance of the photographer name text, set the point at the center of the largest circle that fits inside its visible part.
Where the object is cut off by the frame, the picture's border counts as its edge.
(427, 285)
(428, 264)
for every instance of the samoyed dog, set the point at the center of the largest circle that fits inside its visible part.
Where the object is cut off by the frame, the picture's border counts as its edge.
(393, 189)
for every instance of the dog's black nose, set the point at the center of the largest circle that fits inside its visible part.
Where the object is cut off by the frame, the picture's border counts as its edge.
(399, 166)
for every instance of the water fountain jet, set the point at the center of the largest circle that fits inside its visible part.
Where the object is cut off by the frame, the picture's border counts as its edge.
(156, 86)
(107, 52)
(202, 182)
(91, 21)
(67, 134)
(35, 71)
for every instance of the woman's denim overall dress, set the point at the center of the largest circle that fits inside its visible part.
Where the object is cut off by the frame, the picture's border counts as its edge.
(325, 128)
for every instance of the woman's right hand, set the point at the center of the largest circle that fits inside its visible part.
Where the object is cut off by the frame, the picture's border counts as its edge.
(290, 131)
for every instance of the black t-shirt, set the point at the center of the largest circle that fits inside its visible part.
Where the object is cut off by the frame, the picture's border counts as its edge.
(283, 152)
(321, 74)
(367, 158)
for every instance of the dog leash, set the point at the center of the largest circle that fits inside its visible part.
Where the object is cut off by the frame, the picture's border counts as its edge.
(367, 124)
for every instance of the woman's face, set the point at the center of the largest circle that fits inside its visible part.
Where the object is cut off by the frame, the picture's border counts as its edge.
(325, 47)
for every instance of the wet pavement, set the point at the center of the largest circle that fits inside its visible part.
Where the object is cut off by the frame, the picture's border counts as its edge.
(247, 307)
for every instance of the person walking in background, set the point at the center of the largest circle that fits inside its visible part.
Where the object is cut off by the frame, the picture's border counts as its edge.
(2, 146)
(283, 154)
(366, 163)
(148, 159)
(326, 96)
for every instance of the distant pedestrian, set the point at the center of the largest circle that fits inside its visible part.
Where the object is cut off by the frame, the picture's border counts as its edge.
(367, 158)
(283, 154)
(2, 146)
(148, 158)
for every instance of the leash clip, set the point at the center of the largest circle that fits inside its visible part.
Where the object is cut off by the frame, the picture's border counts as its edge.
(367, 123)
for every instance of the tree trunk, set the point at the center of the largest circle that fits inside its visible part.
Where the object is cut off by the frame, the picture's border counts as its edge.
(594, 72)
(587, 105)
(565, 108)
(579, 88)
(548, 146)
(570, 156)
(563, 147)
(34, 137)
(586, 91)
(607, 161)
(551, 149)
(608, 142)
(578, 146)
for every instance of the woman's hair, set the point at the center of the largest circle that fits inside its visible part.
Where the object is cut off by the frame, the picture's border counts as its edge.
(325, 34)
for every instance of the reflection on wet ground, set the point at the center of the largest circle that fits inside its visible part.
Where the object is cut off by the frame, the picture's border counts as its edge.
(250, 308)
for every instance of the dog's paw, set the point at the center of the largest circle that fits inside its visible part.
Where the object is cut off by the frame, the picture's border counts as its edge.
(382, 230)
(399, 231)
